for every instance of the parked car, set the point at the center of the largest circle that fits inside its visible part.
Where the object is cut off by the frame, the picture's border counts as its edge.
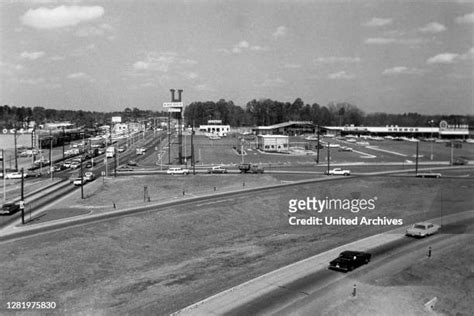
(132, 163)
(9, 208)
(345, 148)
(217, 169)
(173, 171)
(121, 149)
(422, 229)
(338, 172)
(349, 260)
(67, 163)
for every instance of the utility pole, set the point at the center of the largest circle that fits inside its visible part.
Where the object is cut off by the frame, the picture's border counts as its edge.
(64, 137)
(317, 146)
(22, 198)
(4, 177)
(416, 165)
(16, 153)
(82, 180)
(329, 157)
(193, 162)
(169, 138)
(115, 164)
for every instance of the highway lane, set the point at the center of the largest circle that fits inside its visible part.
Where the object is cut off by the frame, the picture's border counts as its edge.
(309, 295)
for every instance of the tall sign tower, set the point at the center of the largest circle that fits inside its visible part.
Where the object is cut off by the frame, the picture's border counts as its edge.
(175, 106)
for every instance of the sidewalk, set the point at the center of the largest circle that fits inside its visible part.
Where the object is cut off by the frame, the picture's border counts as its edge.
(247, 292)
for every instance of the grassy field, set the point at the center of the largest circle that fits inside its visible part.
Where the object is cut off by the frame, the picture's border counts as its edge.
(160, 261)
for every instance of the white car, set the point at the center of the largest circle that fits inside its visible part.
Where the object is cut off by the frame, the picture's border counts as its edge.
(422, 229)
(14, 175)
(174, 171)
(89, 176)
(338, 172)
(79, 181)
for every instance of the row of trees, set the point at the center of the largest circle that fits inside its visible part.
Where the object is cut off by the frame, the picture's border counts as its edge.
(256, 113)
(20, 117)
(268, 112)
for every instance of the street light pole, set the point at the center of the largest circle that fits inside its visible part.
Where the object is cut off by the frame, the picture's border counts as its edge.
(82, 181)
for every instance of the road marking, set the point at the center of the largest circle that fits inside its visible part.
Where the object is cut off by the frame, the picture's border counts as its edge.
(387, 151)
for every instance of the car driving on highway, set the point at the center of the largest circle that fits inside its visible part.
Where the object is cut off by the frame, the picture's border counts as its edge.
(338, 172)
(89, 176)
(78, 181)
(14, 175)
(217, 169)
(349, 260)
(422, 229)
(173, 171)
(9, 208)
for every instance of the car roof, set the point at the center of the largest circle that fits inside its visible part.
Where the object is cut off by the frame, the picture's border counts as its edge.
(423, 223)
(351, 253)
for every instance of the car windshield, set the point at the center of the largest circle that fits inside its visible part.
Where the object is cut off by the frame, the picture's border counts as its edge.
(419, 226)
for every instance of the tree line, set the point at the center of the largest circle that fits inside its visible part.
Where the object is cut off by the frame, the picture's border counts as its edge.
(256, 113)
(266, 112)
(20, 117)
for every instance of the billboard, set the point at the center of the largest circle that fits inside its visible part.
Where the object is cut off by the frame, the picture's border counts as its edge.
(116, 119)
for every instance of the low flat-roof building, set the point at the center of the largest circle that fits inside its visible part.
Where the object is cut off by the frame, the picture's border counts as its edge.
(278, 143)
(444, 130)
(287, 128)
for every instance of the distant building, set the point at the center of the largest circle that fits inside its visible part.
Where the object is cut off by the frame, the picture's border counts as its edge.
(287, 128)
(276, 143)
(444, 130)
(58, 125)
(215, 127)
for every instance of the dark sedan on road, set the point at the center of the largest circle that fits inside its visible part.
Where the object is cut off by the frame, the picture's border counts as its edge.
(349, 260)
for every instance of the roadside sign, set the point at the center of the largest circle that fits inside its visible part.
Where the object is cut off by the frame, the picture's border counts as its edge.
(173, 104)
(174, 110)
(22, 205)
(102, 173)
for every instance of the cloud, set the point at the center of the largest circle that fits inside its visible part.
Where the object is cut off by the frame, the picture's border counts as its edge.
(243, 46)
(341, 75)
(91, 30)
(31, 55)
(280, 31)
(377, 22)
(202, 87)
(336, 59)
(239, 47)
(380, 40)
(62, 16)
(391, 40)
(162, 62)
(433, 27)
(467, 18)
(445, 58)
(401, 70)
(272, 82)
(80, 76)
(190, 75)
(292, 66)
(32, 81)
